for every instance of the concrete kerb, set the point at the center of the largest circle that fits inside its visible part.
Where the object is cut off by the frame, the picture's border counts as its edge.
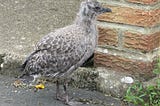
(99, 79)
(9, 64)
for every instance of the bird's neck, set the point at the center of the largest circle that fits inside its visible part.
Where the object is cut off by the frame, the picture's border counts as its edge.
(86, 22)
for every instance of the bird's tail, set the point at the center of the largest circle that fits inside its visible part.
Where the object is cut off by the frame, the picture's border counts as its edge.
(22, 67)
(27, 59)
(25, 62)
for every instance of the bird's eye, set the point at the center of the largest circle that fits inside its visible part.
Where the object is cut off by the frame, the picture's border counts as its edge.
(97, 8)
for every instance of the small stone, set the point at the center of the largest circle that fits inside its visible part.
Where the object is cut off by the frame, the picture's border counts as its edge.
(105, 51)
(13, 37)
(15, 91)
(127, 80)
(19, 47)
(16, 2)
(111, 87)
(2, 65)
(23, 38)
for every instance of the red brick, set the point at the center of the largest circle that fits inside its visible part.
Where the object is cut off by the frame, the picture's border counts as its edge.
(143, 1)
(141, 42)
(123, 64)
(108, 37)
(131, 16)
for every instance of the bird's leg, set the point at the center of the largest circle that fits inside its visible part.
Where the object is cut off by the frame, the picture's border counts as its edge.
(57, 90)
(58, 94)
(66, 97)
(65, 85)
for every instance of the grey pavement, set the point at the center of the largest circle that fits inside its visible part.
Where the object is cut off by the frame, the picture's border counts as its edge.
(12, 96)
(24, 22)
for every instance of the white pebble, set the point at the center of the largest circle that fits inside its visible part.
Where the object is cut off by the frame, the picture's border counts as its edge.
(23, 38)
(105, 51)
(2, 65)
(127, 80)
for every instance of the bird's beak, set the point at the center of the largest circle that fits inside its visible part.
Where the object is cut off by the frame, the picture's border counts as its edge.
(104, 10)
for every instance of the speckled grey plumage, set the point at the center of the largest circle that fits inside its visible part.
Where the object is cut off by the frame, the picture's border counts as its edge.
(60, 52)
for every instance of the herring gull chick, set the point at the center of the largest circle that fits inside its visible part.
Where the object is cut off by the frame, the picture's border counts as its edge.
(61, 52)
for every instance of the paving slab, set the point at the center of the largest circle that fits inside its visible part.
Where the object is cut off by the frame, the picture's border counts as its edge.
(24, 22)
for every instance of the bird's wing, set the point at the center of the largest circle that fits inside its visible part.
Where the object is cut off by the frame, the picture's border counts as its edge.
(60, 51)
(63, 41)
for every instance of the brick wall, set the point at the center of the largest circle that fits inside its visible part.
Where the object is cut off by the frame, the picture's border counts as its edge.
(129, 37)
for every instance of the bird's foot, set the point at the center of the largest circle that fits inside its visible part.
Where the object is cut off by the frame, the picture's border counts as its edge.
(69, 102)
(60, 98)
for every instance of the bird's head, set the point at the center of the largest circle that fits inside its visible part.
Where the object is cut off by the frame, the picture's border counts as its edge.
(93, 8)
